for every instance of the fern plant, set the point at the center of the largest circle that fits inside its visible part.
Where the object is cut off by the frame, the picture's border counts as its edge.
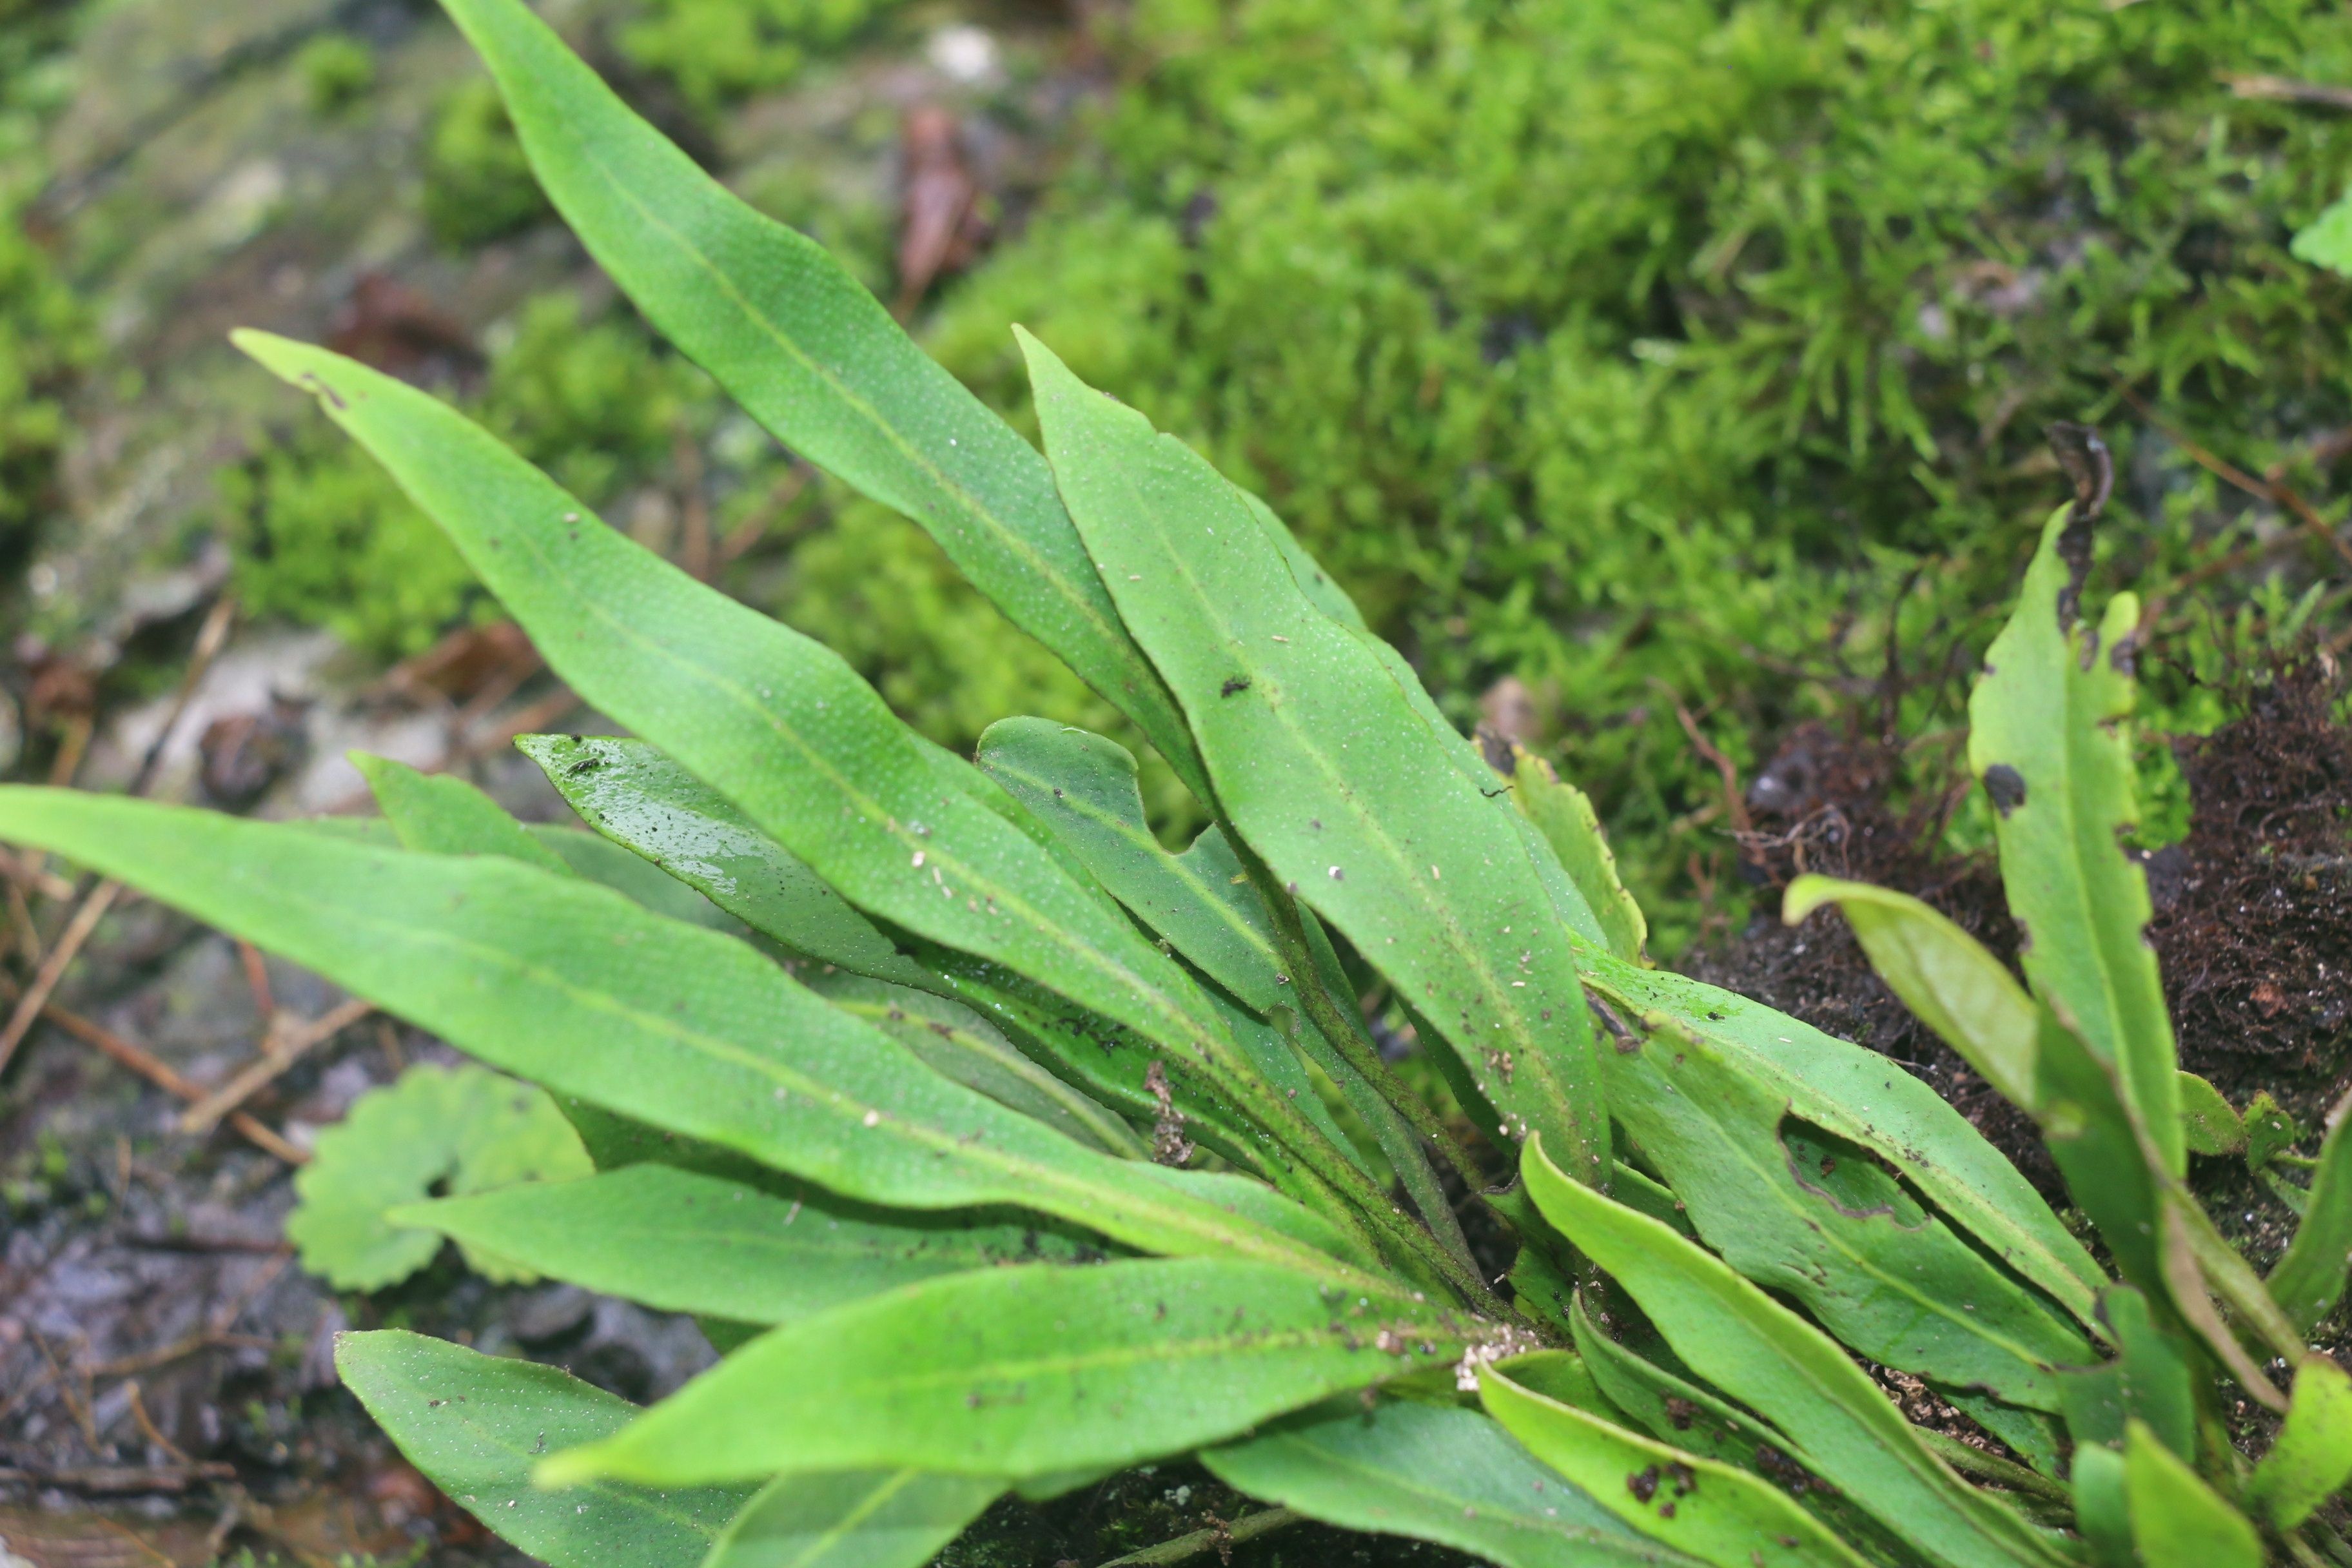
(999, 1148)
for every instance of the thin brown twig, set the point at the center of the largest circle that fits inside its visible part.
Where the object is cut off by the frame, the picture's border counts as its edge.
(20, 919)
(287, 1041)
(93, 907)
(147, 1428)
(1734, 805)
(2271, 490)
(164, 1355)
(2286, 89)
(120, 1479)
(164, 1078)
(210, 636)
(31, 877)
(257, 978)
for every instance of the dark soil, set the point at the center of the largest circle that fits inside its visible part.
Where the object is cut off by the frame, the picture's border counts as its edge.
(2253, 925)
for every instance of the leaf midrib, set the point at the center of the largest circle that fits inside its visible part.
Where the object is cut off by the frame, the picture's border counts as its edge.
(834, 1101)
(1531, 1051)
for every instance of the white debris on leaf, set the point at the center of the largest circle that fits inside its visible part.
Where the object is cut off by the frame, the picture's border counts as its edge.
(1503, 1341)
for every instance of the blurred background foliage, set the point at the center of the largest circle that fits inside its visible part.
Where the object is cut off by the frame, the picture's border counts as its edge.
(1687, 360)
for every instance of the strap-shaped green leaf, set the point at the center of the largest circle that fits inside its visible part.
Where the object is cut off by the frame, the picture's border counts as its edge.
(2309, 1280)
(2047, 737)
(2310, 1459)
(1859, 1095)
(2148, 1379)
(1715, 1513)
(1677, 1410)
(784, 729)
(1084, 787)
(442, 814)
(602, 861)
(576, 988)
(1761, 1353)
(1819, 1221)
(2177, 1521)
(1564, 813)
(638, 798)
(685, 1242)
(851, 1519)
(957, 1042)
(476, 1424)
(1326, 769)
(809, 353)
(1941, 973)
(1019, 1371)
(1434, 1473)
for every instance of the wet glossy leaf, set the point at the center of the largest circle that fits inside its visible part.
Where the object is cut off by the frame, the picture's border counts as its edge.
(576, 988)
(463, 1128)
(1434, 1473)
(2310, 1459)
(1790, 1374)
(1941, 973)
(1816, 1219)
(685, 1242)
(786, 730)
(1327, 770)
(638, 798)
(1712, 1511)
(851, 1519)
(476, 1424)
(809, 353)
(2177, 1521)
(1018, 1372)
(445, 816)
(2047, 736)
(2309, 1280)
(1859, 1095)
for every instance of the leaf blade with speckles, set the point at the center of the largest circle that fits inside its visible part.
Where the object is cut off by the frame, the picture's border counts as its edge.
(1024, 1372)
(1325, 767)
(476, 1424)
(578, 988)
(809, 353)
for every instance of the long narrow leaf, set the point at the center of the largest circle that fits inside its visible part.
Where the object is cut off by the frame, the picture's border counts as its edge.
(1565, 816)
(1860, 1095)
(1021, 1371)
(958, 1043)
(1327, 771)
(2046, 736)
(1822, 1224)
(685, 1242)
(2309, 1280)
(1716, 1513)
(784, 729)
(578, 989)
(640, 799)
(445, 816)
(1434, 1473)
(1764, 1355)
(476, 1424)
(808, 352)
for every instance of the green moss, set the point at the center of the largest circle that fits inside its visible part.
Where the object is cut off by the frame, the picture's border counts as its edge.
(1650, 353)
(337, 70)
(717, 51)
(478, 182)
(324, 538)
